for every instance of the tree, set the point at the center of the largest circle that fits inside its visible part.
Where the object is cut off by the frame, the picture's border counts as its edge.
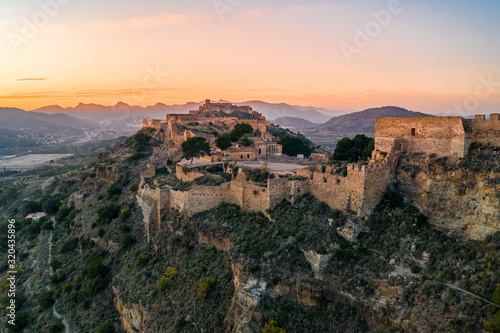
(223, 141)
(51, 206)
(359, 148)
(245, 141)
(141, 141)
(31, 207)
(195, 147)
(46, 299)
(239, 130)
(294, 145)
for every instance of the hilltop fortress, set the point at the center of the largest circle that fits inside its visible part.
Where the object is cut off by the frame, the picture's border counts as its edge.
(211, 119)
(351, 188)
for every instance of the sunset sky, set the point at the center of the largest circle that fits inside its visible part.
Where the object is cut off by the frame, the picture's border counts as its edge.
(428, 56)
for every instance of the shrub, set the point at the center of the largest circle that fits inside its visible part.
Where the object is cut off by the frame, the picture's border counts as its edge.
(493, 325)
(107, 213)
(142, 260)
(205, 287)
(114, 189)
(94, 265)
(133, 187)
(46, 299)
(57, 326)
(67, 287)
(127, 240)
(272, 327)
(55, 264)
(167, 281)
(106, 327)
(69, 245)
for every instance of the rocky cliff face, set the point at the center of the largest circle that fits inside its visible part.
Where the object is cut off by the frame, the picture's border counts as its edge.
(132, 316)
(462, 198)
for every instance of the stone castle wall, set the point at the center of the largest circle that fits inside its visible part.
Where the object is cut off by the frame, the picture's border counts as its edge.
(439, 135)
(448, 136)
(359, 191)
(485, 131)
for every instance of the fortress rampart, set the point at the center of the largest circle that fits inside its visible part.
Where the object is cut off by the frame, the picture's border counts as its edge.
(447, 136)
(355, 188)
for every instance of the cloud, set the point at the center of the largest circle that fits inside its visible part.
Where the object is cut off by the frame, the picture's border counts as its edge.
(140, 22)
(33, 79)
(256, 12)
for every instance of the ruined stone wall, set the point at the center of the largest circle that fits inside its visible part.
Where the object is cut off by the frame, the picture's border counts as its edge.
(149, 172)
(377, 179)
(337, 191)
(485, 131)
(186, 176)
(152, 123)
(439, 135)
(146, 199)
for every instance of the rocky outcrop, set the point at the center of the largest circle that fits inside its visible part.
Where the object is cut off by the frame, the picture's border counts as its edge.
(243, 316)
(132, 316)
(463, 202)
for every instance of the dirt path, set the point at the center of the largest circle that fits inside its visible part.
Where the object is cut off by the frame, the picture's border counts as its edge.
(471, 294)
(54, 311)
(405, 272)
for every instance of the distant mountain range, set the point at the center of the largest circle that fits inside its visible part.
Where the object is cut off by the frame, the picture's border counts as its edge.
(17, 119)
(122, 111)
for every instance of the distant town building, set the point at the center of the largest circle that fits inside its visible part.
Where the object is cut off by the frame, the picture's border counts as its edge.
(36, 216)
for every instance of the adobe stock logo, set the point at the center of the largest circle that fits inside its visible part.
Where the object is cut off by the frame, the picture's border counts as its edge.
(372, 29)
(224, 6)
(484, 90)
(31, 27)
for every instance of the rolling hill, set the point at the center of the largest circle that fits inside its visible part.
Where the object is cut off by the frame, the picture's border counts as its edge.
(292, 122)
(364, 121)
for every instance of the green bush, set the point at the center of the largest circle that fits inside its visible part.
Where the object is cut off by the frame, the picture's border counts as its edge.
(46, 299)
(133, 187)
(114, 189)
(55, 264)
(493, 325)
(127, 240)
(106, 327)
(271, 326)
(107, 213)
(205, 286)
(168, 280)
(69, 245)
(57, 326)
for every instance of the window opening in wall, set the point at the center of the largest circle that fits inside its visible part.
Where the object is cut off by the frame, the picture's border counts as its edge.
(412, 132)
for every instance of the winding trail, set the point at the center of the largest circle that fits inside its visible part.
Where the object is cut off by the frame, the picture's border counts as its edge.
(54, 311)
(405, 272)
